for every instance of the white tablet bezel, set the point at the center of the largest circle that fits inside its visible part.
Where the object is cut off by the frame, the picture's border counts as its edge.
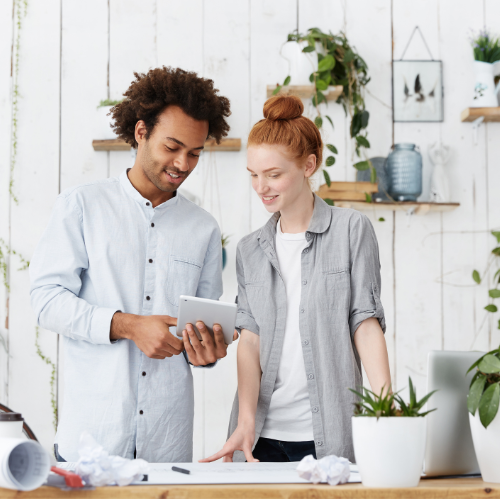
(193, 309)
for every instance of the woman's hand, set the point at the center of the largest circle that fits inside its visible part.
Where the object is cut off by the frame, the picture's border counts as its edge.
(241, 439)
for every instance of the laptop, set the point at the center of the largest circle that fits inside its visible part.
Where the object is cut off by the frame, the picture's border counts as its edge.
(449, 448)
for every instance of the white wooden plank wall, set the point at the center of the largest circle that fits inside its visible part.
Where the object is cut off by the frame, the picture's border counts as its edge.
(73, 54)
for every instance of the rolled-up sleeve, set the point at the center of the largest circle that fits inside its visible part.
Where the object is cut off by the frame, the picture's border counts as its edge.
(55, 272)
(365, 274)
(244, 317)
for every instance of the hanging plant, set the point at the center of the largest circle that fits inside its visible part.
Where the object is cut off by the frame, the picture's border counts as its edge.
(493, 293)
(339, 64)
(21, 8)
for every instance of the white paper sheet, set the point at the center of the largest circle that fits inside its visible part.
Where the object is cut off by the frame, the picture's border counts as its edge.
(226, 473)
(230, 473)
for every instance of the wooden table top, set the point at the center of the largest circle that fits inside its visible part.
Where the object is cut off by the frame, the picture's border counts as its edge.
(428, 488)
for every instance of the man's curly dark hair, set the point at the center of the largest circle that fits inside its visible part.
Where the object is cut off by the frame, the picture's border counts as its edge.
(149, 94)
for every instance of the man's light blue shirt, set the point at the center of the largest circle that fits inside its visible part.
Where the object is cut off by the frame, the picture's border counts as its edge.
(106, 249)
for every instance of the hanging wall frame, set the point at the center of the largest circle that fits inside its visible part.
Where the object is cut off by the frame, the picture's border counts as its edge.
(417, 88)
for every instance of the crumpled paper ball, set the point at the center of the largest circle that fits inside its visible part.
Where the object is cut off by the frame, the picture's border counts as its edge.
(331, 469)
(98, 468)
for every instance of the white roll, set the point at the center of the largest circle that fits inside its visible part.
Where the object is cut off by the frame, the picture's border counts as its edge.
(24, 464)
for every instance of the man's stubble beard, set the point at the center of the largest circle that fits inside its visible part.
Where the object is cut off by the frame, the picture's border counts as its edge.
(150, 166)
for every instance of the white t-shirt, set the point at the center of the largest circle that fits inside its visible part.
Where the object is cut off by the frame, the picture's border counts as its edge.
(289, 417)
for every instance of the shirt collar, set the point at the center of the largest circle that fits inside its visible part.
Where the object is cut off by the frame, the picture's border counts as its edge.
(135, 195)
(320, 221)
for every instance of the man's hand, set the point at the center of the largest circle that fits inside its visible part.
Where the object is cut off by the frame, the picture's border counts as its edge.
(149, 333)
(209, 349)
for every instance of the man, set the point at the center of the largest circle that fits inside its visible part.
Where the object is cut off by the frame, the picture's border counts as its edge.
(111, 265)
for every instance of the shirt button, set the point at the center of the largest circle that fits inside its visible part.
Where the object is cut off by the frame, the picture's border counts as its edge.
(310, 376)
(306, 342)
(143, 374)
(308, 235)
(315, 409)
(319, 443)
(150, 261)
(302, 310)
(148, 297)
(152, 224)
(141, 412)
(306, 250)
(147, 203)
(304, 282)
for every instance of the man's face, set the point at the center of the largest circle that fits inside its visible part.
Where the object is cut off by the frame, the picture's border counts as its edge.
(173, 148)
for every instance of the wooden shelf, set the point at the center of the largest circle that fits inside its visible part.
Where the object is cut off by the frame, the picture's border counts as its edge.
(110, 145)
(210, 145)
(306, 91)
(489, 114)
(414, 207)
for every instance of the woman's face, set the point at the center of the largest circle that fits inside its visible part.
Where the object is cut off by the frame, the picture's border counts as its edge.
(277, 179)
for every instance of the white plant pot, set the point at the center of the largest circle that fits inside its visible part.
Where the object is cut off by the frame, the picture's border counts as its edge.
(301, 64)
(104, 122)
(389, 451)
(486, 445)
(485, 93)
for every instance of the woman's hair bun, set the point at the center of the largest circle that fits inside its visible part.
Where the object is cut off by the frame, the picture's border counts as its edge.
(283, 107)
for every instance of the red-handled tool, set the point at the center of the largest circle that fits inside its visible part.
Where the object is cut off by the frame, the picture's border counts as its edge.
(70, 478)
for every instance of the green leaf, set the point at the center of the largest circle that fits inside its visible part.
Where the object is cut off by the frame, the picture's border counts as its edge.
(326, 64)
(332, 148)
(368, 198)
(321, 85)
(287, 81)
(318, 121)
(309, 48)
(475, 393)
(277, 89)
(327, 178)
(492, 308)
(381, 219)
(329, 201)
(499, 324)
(362, 165)
(373, 175)
(496, 234)
(364, 118)
(497, 274)
(476, 363)
(330, 161)
(362, 141)
(489, 364)
(496, 251)
(348, 55)
(330, 120)
(494, 293)
(488, 406)
(476, 277)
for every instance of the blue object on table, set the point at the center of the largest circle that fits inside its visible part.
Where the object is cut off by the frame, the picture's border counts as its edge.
(404, 172)
(378, 163)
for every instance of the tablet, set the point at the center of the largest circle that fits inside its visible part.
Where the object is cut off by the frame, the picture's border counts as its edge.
(193, 309)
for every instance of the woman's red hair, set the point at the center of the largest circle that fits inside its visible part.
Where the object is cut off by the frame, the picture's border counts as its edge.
(284, 125)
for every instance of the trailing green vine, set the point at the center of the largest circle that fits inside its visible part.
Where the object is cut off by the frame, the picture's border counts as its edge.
(21, 8)
(53, 378)
(493, 293)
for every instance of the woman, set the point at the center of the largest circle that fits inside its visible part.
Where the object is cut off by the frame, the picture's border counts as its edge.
(308, 304)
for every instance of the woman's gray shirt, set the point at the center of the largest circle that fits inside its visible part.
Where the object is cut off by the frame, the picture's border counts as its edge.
(340, 288)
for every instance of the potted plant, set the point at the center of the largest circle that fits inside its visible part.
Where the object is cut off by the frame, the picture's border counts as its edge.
(224, 241)
(104, 119)
(486, 50)
(482, 403)
(389, 438)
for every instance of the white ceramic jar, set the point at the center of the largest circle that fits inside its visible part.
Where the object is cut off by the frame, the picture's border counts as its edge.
(11, 425)
(389, 451)
(486, 443)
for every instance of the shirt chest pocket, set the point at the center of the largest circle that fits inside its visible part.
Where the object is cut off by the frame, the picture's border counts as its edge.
(183, 277)
(337, 289)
